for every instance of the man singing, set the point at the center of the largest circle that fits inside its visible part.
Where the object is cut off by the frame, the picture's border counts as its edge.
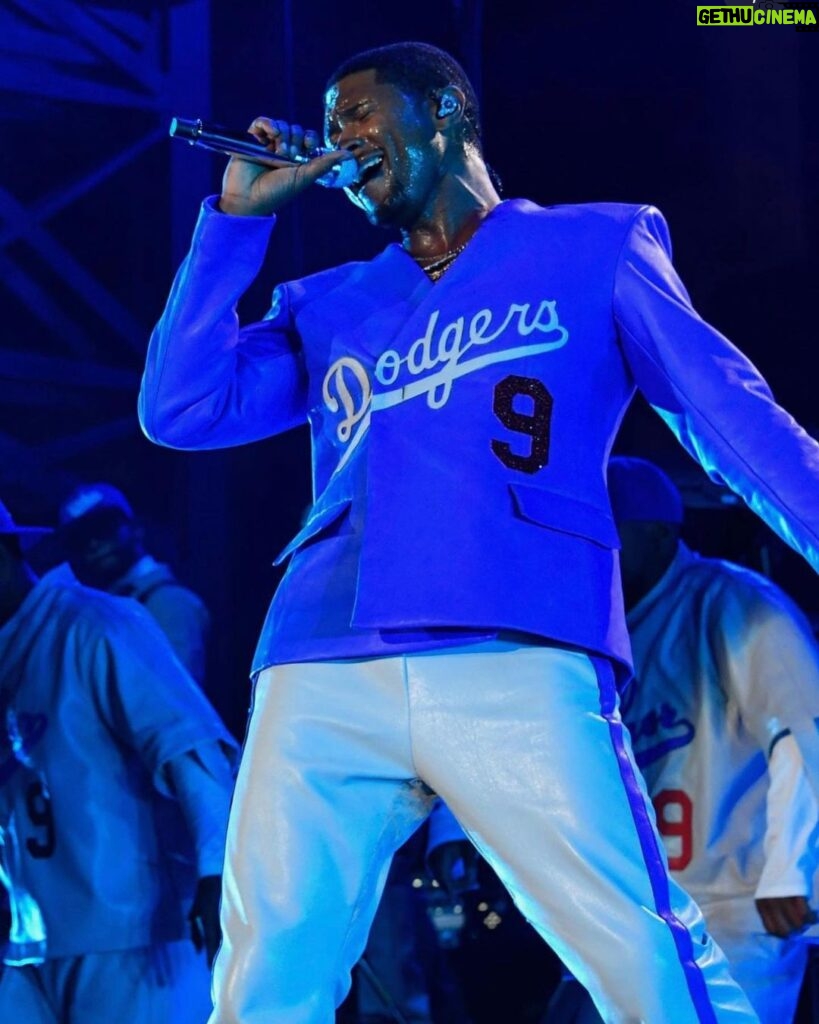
(451, 621)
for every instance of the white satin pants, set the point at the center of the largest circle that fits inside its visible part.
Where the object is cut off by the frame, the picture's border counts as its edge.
(526, 746)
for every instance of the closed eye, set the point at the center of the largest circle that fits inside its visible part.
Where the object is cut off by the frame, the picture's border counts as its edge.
(354, 114)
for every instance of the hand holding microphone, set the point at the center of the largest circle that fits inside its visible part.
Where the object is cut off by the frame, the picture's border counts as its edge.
(269, 166)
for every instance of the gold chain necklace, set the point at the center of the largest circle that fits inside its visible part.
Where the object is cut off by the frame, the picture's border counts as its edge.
(440, 264)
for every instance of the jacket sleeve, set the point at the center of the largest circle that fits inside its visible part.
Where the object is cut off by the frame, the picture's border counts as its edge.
(142, 693)
(710, 394)
(767, 658)
(208, 382)
(792, 815)
(201, 780)
(185, 622)
(769, 666)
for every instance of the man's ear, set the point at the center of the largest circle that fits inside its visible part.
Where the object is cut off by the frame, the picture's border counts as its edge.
(449, 107)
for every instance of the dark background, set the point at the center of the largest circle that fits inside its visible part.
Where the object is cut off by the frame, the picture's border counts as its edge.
(716, 126)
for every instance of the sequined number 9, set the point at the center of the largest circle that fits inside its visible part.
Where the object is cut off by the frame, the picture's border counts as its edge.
(38, 806)
(536, 423)
(675, 814)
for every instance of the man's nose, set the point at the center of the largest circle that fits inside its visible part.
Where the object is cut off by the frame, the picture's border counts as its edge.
(349, 139)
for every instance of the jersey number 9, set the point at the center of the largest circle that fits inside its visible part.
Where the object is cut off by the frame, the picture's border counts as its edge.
(38, 806)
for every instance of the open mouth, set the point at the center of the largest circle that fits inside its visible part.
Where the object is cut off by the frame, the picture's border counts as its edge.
(368, 168)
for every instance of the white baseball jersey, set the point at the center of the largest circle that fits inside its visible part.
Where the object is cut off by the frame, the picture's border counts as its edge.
(95, 708)
(181, 613)
(726, 687)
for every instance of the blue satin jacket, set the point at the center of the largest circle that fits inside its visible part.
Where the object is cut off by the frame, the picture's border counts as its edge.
(461, 430)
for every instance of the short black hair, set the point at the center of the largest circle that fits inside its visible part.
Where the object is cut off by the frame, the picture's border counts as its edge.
(418, 69)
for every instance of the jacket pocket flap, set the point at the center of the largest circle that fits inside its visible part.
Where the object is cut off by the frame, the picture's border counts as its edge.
(568, 515)
(319, 519)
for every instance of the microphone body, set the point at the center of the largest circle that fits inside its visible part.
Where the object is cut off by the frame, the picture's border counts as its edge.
(225, 140)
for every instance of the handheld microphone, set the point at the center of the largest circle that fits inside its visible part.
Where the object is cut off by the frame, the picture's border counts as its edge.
(224, 140)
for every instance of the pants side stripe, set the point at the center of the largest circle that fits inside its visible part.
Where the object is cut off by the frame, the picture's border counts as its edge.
(652, 856)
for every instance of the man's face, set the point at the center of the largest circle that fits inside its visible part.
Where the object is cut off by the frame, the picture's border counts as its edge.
(101, 548)
(395, 140)
(646, 550)
(636, 551)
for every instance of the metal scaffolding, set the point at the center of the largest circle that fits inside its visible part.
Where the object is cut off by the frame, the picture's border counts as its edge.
(87, 90)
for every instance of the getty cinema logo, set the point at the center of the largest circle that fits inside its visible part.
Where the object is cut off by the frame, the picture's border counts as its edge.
(803, 16)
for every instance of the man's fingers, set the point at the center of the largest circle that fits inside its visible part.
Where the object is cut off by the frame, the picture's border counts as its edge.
(204, 916)
(206, 934)
(213, 936)
(797, 911)
(275, 135)
(197, 937)
(322, 165)
(296, 140)
(264, 131)
(783, 915)
(283, 139)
